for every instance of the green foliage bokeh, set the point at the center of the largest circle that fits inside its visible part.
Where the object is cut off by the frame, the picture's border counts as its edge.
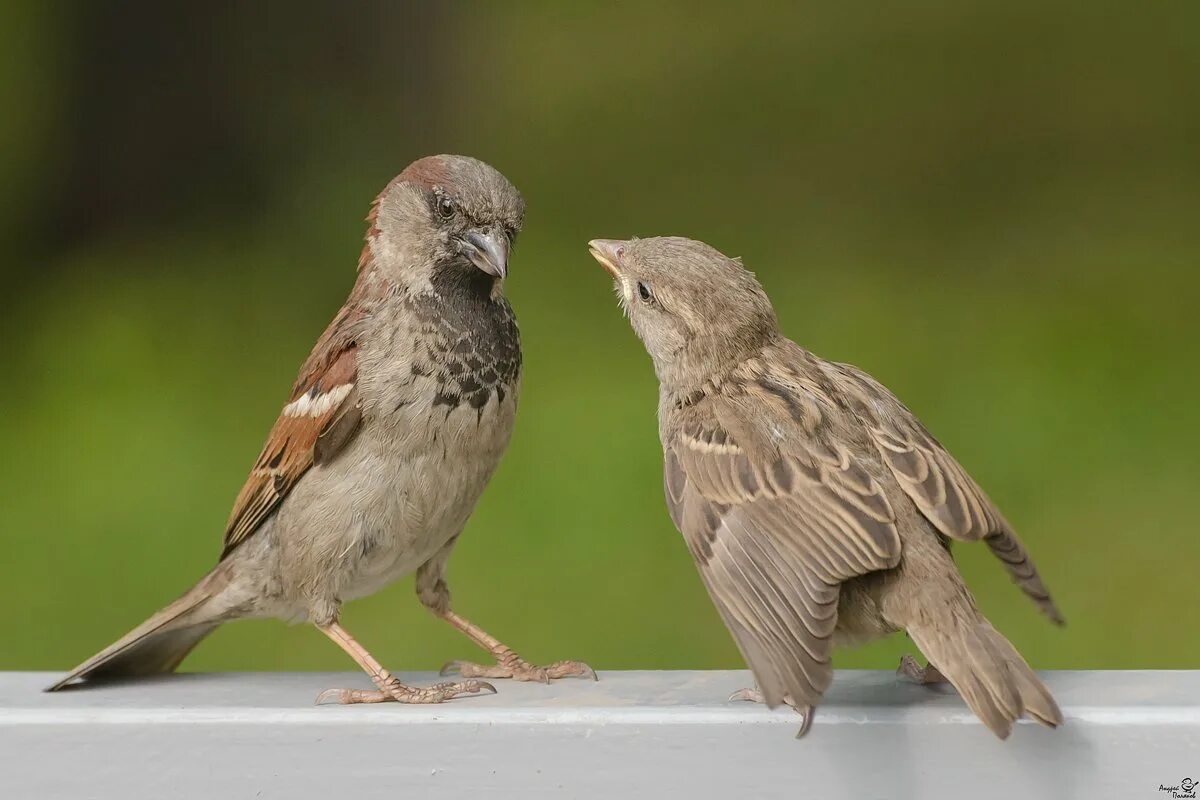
(992, 207)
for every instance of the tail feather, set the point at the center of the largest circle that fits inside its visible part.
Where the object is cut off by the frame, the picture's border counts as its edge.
(1005, 545)
(988, 672)
(156, 646)
(1038, 701)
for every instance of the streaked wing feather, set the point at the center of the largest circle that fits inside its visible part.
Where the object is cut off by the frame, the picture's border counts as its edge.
(773, 542)
(936, 483)
(321, 417)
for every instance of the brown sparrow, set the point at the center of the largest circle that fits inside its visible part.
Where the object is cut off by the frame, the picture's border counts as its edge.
(819, 511)
(391, 432)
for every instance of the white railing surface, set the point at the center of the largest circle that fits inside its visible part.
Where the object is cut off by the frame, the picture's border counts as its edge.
(632, 734)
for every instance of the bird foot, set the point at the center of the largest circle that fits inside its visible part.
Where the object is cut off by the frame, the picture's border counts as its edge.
(510, 665)
(392, 690)
(755, 695)
(910, 670)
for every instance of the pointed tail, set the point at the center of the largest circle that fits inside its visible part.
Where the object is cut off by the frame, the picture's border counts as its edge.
(986, 670)
(156, 646)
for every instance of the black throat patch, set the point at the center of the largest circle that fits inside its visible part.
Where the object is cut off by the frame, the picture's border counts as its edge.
(469, 341)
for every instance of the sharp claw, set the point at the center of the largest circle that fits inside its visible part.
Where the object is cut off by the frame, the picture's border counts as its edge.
(351, 697)
(808, 713)
(451, 668)
(747, 695)
(337, 695)
(452, 690)
(570, 669)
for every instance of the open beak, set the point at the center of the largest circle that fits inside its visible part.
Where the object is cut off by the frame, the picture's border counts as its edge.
(488, 251)
(608, 252)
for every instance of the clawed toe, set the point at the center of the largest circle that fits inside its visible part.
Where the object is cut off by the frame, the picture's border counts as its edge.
(348, 697)
(910, 670)
(520, 670)
(448, 691)
(747, 695)
(755, 695)
(570, 669)
(397, 692)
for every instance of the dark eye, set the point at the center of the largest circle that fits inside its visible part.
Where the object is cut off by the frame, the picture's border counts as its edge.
(644, 292)
(445, 207)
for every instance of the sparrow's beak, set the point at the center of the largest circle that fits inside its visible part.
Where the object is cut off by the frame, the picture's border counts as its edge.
(487, 250)
(609, 253)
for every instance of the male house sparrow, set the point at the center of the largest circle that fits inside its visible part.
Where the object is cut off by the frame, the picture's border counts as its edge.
(818, 509)
(393, 428)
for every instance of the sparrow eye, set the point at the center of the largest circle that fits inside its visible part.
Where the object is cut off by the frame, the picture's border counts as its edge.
(644, 292)
(445, 207)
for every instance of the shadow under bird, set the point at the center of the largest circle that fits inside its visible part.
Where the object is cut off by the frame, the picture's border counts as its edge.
(818, 510)
(392, 430)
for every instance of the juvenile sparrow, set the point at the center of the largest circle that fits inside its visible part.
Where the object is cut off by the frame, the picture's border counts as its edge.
(393, 428)
(819, 511)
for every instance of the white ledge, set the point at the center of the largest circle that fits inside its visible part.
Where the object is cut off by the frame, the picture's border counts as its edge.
(649, 734)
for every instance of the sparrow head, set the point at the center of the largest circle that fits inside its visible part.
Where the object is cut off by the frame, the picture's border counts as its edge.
(698, 312)
(444, 213)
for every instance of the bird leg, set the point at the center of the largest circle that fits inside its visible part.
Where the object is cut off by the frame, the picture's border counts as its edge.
(910, 670)
(435, 595)
(755, 695)
(390, 687)
(508, 664)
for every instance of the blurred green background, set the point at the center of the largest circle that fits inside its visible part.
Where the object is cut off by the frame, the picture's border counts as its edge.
(993, 207)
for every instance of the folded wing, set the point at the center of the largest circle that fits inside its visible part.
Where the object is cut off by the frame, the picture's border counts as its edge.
(321, 417)
(773, 539)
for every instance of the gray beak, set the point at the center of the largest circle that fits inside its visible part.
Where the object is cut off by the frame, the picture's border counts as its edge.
(488, 251)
